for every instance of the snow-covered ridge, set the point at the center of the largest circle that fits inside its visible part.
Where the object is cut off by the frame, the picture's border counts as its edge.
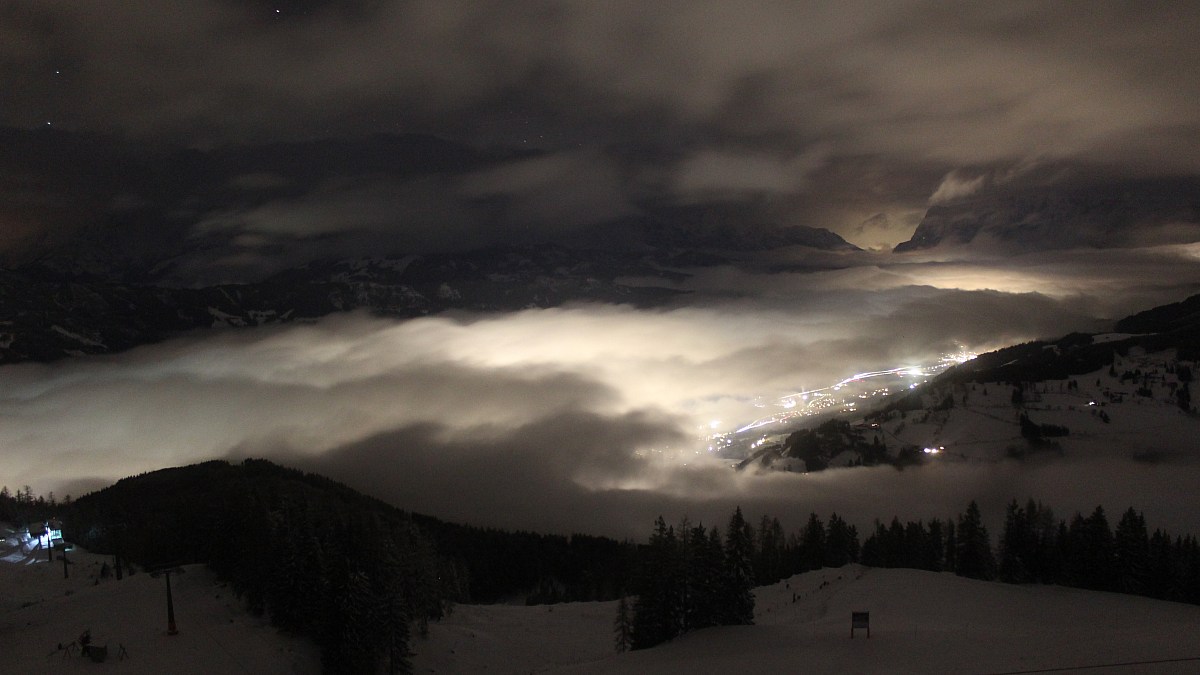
(921, 622)
(1135, 416)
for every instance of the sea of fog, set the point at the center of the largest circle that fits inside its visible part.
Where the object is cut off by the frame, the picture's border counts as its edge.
(581, 418)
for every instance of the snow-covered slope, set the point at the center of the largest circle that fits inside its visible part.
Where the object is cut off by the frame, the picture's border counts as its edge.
(921, 622)
(1110, 415)
(40, 612)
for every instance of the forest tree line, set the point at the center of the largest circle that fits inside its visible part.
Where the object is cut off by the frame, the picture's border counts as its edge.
(689, 578)
(1035, 546)
(686, 571)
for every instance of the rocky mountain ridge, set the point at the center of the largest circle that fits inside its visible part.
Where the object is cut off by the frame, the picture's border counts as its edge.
(1099, 214)
(44, 317)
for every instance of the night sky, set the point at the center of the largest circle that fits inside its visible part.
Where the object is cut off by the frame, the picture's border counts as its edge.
(850, 116)
(125, 124)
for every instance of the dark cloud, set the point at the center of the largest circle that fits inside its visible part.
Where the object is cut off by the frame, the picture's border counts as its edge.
(483, 488)
(1070, 286)
(713, 174)
(758, 100)
(969, 84)
(534, 198)
(556, 192)
(548, 471)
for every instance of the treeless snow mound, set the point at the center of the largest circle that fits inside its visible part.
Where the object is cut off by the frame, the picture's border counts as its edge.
(921, 622)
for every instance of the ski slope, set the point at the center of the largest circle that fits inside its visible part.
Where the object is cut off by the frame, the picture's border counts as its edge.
(41, 611)
(985, 425)
(921, 622)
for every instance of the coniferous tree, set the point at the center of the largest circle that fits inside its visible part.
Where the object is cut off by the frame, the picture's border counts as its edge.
(916, 540)
(692, 580)
(951, 558)
(1132, 553)
(656, 610)
(1090, 551)
(1063, 539)
(623, 626)
(1045, 562)
(841, 542)
(738, 602)
(762, 545)
(715, 554)
(685, 584)
(894, 544)
(813, 544)
(872, 549)
(707, 561)
(8, 505)
(394, 616)
(779, 557)
(770, 553)
(1163, 578)
(350, 639)
(935, 547)
(284, 591)
(974, 549)
(1188, 562)
(1017, 546)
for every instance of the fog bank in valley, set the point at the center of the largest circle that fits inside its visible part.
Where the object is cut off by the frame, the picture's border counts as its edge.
(589, 418)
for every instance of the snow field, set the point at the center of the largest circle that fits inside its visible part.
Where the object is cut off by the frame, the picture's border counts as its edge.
(921, 622)
(39, 610)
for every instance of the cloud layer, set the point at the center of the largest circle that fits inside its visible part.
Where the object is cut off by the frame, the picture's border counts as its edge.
(582, 418)
(966, 84)
(824, 116)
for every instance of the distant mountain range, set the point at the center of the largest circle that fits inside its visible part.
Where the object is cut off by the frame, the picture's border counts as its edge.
(1096, 213)
(84, 205)
(116, 244)
(44, 316)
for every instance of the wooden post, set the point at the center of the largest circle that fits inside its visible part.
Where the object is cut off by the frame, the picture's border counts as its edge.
(63, 555)
(171, 630)
(116, 530)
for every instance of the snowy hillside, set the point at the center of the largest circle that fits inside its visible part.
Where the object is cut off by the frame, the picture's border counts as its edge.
(1107, 412)
(41, 611)
(921, 622)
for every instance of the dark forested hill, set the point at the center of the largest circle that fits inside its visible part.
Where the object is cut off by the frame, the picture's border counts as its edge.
(1177, 316)
(324, 561)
